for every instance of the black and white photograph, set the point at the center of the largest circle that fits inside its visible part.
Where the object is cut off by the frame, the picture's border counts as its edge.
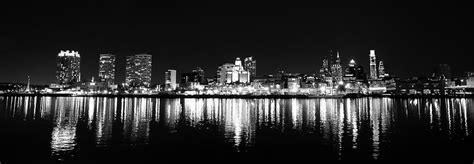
(236, 82)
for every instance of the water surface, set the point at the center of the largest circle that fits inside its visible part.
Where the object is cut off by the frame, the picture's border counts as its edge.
(90, 129)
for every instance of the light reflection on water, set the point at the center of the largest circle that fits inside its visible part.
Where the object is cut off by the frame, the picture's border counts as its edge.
(343, 125)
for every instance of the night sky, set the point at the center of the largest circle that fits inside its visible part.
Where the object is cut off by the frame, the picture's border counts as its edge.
(183, 36)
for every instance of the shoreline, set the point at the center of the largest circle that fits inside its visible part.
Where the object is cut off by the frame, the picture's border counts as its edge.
(236, 96)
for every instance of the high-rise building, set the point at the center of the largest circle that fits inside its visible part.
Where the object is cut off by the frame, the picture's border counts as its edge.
(336, 68)
(68, 66)
(324, 72)
(200, 75)
(373, 65)
(170, 79)
(107, 68)
(443, 71)
(138, 70)
(381, 69)
(354, 72)
(250, 64)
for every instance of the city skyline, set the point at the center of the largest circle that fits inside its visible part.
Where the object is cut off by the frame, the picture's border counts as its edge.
(282, 38)
(336, 68)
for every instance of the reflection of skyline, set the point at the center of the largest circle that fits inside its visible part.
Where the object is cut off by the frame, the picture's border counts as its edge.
(344, 125)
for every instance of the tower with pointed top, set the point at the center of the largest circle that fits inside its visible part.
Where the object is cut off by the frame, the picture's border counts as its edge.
(373, 65)
(336, 68)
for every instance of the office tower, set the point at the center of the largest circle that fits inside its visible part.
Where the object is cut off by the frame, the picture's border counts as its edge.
(170, 79)
(373, 65)
(200, 75)
(381, 70)
(336, 68)
(324, 70)
(443, 71)
(250, 65)
(354, 72)
(68, 67)
(107, 68)
(138, 70)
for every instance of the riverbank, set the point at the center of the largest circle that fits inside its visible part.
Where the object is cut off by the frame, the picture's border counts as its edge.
(234, 96)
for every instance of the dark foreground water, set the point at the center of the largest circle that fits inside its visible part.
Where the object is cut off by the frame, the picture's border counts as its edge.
(96, 129)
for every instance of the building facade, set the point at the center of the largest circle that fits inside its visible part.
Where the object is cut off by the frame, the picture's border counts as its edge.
(373, 65)
(170, 80)
(107, 68)
(233, 73)
(381, 70)
(138, 70)
(250, 64)
(68, 67)
(336, 69)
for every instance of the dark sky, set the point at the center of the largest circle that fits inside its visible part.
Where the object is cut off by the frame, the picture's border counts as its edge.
(410, 39)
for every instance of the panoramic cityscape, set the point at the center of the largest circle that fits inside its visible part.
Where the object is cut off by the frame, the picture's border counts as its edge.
(231, 81)
(335, 78)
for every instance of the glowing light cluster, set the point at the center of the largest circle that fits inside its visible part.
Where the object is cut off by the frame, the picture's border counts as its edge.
(69, 53)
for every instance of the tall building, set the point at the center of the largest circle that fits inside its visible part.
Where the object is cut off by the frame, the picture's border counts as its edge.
(233, 73)
(170, 79)
(68, 67)
(250, 64)
(373, 65)
(381, 69)
(324, 72)
(200, 75)
(354, 72)
(443, 71)
(336, 68)
(138, 70)
(107, 68)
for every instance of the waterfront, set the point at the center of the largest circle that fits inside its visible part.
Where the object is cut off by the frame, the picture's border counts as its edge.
(49, 129)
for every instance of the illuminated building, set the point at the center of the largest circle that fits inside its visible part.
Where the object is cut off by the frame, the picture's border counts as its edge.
(336, 68)
(138, 70)
(354, 72)
(442, 71)
(170, 79)
(381, 70)
(293, 83)
(233, 73)
(200, 75)
(107, 68)
(250, 64)
(373, 65)
(68, 67)
(324, 72)
(222, 73)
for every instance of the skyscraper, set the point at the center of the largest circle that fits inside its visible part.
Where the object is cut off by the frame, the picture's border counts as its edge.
(250, 64)
(107, 68)
(324, 72)
(373, 65)
(138, 70)
(381, 69)
(354, 72)
(68, 66)
(170, 79)
(200, 75)
(336, 68)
